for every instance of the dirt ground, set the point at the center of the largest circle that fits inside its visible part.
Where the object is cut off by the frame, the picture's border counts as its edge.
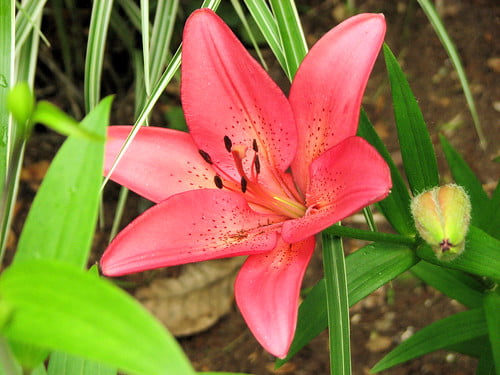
(395, 311)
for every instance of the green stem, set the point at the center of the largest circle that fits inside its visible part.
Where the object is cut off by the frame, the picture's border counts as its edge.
(337, 305)
(368, 235)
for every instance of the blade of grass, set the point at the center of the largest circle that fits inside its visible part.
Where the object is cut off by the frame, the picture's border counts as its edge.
(264, 19)
(99, 22)
(145, 44)
(448, 45)
(492, 310)
(291, 33)
(337, 305)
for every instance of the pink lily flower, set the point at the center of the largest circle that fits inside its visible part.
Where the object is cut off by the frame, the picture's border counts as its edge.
(259, 174)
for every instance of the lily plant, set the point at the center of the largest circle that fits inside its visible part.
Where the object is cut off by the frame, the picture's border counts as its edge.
(258, 174)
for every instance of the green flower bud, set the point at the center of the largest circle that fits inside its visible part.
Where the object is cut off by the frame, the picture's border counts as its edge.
(442, 217)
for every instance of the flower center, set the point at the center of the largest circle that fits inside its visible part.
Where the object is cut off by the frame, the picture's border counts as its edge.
(255, 192)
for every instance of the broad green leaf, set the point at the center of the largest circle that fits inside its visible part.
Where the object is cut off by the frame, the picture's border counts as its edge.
(291, 33)
(435, 336)
(66, 364)
(486, 365)
(337, 305)
(492, 312)
(463, 175)
(396, 207)
(455, 284)
(417, 152)
(367, 269)
(62, 218)
(441, 32)
(221, 373)
(29, 356)
(61, 307)
(49, 115)
(480, 256)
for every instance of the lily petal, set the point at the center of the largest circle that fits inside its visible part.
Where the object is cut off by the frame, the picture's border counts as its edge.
(327, 90)
(225, 92)
(189, 227)
(344, 179)
(158, 163)
(267, 293)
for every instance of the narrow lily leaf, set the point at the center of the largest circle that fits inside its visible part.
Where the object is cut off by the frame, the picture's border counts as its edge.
(494, 219)
(492, 311)
(367, 269)
(60, 307)
(99, 21)
(475, 347)
(291, 33)
(441, 32)
(480, 256)
(337, 305)
(30, 10)
(486, 365)
(49, 115)
(268, 27)
(454, 284)
(396, 207)
(416, 147)
(66, 364)
(465, 177)
(435, 336)
(62, 218)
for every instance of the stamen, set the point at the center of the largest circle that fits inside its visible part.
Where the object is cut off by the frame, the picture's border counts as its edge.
(243, 184)
(228, 143)
(218, 181)
(256, 164)
(205, 156)
(254, 146)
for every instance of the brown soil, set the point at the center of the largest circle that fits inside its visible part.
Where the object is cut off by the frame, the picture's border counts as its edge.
(396, 310)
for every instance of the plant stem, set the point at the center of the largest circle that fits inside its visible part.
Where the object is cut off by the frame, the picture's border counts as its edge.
(368, 235)
(337, 305)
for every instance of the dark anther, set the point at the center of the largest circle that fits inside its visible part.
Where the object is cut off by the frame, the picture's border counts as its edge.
(218, 181)
(205, 156)
(243, 184)
(254, 145)
(228, 143)
(445, 245)
(257, 164)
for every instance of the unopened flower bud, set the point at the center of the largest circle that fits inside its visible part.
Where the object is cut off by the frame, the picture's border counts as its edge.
(442, 217)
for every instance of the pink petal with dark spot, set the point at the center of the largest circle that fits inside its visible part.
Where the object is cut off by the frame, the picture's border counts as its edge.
(267, 293)
(327, 90)
(225, 92)
(190, 227)
(344, 179)
(158, 163)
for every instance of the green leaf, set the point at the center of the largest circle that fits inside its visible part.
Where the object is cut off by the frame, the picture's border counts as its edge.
(99, 22)
(493, 226)
(67, 364)
(417, 152)
(455, 284)
(441, 32)
(28, 355)
(435, 336)
(396, 207)
(60, 307)
(268, 27)
(49, 115)
(492, 312)
(337, 305)
(463, 175)
(486, 365)
(480, 256)
(62, 218)
(367, 269)
(291, 33)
